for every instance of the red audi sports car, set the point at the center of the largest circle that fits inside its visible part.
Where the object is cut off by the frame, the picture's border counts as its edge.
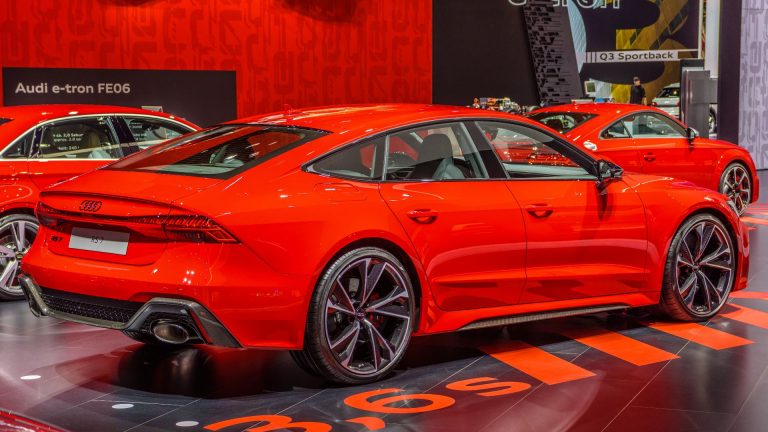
(44, 144)
(338, 233)
(649, 140)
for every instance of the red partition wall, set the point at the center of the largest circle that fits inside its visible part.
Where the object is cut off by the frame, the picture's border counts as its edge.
(297, 52)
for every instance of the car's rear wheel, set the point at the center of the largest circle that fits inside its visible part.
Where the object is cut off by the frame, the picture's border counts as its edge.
(736, 184)
(360, 318)
(700, 270)
(17, 232)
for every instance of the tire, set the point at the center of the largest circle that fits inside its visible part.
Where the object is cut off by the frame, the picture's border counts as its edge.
(712, 123)
(698, 280)
(358, 330)
(17, 232)
(736, 184)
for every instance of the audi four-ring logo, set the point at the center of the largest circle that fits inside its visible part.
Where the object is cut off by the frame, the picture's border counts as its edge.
(90, 206)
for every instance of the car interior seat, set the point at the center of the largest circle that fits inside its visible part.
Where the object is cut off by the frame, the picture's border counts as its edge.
(435, 160)
(555, 124)
(94, 141)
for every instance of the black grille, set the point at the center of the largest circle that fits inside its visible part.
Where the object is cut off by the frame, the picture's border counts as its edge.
(119, 311)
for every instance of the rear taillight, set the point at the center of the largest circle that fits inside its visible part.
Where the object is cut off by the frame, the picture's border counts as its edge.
(193, 228)
(48, 216)
(178, 227)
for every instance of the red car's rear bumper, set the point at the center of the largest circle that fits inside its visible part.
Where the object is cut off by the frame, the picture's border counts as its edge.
(222, 294)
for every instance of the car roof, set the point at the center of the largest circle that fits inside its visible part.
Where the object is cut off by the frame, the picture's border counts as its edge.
(373, 117)
(595, 108)
(33, 114)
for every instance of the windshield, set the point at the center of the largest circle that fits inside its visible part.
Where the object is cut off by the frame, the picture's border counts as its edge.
(4, 121)
(218, 152)
(561, 121)
(669, 92)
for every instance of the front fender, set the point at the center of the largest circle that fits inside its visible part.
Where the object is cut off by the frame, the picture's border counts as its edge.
(668, 203)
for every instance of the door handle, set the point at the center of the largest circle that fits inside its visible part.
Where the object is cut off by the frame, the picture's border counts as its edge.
(423, 216)
(650, 157)
(540, 210)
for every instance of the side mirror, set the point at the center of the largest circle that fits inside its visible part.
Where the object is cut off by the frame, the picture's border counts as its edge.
(692, 134)
(607, 172)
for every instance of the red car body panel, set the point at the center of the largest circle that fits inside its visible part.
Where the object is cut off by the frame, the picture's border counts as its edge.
(487, 254)
(21, 180)
(701, 162)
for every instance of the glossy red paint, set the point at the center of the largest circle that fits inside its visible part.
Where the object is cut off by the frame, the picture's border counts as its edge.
(22, 179)
(701, 161)
(490, 252)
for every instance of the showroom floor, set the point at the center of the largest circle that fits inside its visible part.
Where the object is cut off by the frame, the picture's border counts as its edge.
(603, 372)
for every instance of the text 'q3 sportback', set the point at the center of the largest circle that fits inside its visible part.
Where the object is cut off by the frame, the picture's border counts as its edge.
(339, 233)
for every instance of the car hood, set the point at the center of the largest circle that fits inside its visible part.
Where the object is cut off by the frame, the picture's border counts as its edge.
(667, 101)
(635, 180)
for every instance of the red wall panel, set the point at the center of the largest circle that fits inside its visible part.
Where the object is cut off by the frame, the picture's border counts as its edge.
(297, 52)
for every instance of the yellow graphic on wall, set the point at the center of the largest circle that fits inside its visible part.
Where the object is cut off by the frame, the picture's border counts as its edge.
(672, 17)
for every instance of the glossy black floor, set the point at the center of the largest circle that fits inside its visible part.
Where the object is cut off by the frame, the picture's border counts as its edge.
(603, 372)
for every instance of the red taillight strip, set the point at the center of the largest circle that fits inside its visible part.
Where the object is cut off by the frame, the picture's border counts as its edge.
(179, 227)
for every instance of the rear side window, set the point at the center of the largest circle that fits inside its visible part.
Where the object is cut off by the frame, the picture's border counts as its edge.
(219, 152)
(148, 131)
(561, 121)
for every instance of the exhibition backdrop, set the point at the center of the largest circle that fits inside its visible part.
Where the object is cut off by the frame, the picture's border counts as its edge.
(753, 97)
(296, 52)
(203, 97)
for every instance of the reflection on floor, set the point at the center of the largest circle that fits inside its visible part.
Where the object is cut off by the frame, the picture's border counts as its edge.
(610, 372)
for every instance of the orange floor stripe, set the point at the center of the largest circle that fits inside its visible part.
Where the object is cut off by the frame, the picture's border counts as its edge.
(702, 335)
(747, 316)
(545, 367)
(754, 220)
(750, 295)
(620, 346)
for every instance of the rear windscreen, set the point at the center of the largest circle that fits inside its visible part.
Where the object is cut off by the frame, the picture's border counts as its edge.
(218, 152)
(669, 92)
(4, 121)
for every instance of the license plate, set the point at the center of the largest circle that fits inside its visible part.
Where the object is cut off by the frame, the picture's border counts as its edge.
(96, 240)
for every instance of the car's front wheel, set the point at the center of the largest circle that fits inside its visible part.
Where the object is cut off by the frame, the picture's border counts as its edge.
(360, 318)
(17, 232)
(736, 184)
(700, 269)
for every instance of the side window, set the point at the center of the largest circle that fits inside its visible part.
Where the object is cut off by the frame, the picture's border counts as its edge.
(435, 152)
(357, 161)
(89, 138)
(20, 149)
(652, 125)
(617, 130)
(528, 153)
(149, 131)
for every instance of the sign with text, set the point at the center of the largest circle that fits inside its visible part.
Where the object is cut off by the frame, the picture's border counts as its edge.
(202, 97)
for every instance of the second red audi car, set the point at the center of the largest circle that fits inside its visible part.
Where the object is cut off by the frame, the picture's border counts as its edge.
(44, 144)
(339, 233)
(649, 140)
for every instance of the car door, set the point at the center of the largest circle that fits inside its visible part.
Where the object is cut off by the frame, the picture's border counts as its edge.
(14, 164)
(450, 198)
(72, 146)
(581, 241)
(616, 144)
(667, 151)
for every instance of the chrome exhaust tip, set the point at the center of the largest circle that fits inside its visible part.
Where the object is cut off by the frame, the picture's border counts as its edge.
(170, 332)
